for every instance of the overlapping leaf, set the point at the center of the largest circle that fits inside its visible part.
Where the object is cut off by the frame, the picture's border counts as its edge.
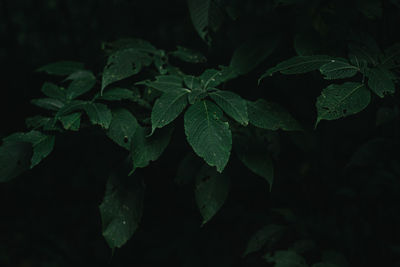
(338, 69)
(71, 121)
(122, 128)
(232, 104)
(380, 81)
(81, 82)
(98, 114)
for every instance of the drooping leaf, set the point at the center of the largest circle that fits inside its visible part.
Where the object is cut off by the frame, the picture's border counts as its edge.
(167, 108)
(380, 81)
(72, 121)
(117, 94)
(188, 55)
(232, 104)
(338, 69)
(81, 82)
(298, 65)
(266, 236)
(209, 136)
(98, 114)
(123, 126)
(62, 68)
(251, 53)
(148, 148)
(42, 144)
(165, 83)
(48, 103)
(271, 116)
(14, 159)
(340, 100)
(286, 258)
(53, 91)
(121, 210)
(188, 169)
(123, 64)
(211, 191)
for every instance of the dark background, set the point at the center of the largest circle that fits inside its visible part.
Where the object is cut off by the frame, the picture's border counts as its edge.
(49, 215)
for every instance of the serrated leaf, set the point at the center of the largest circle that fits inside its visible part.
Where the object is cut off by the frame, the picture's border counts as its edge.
(48, 103)
(340, 100)
(251, 53)
(188, 55)
(209, 136)
(167, 108)
(117, 94)
(286, 258)
(53, 91)
(145, 148)
(211, 191)
(380, 81)
(98, 114)
(165, 83)
(338, 69)
(123, 126)
(271, 116)
(62, 68)
(188, 169)
(121, 210)
(123, 64)
(266, 236)
(14, 159)
(232, 104)
(42, 144)
(72, 121)
(81, 83)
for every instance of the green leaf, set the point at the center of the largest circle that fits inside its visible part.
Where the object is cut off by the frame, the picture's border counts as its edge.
(188, 169)
(338, 69)
(266, 236)
(14, 159)
(209, 136)
(42, 144)
(132, 43)
(192, 82)
(117, 94)
(123, 64)
(123, 126)
(39, 122)
(340, 100)
(48, 103)
(286, 258)
(145, 149)
(98, 114)
(72, 106)
(380, 81)
(53, 91)
(232, 104)
(82, 82)
(62, 68)
(271, 116)
(165, 83)
(188, 55)
(212, 78)
(167, 108)
(196, 95)
(121, 210)
(72, 121)
(211, 191)
(251, 53)
(298, 65)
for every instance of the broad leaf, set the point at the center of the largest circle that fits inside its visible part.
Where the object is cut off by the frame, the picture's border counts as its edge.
(53, 91)
(123, 64)
(42, 144)
(72, 106)
(167, 108)
(123, 126)
(121, 210)
(98, 114)
(380, 81)
(62, 68)
(81, 82)
(340, 100)
(271, 116)
(232, 104)
(145, 148)
(188, 55)
(48, 103)
(211, 191)
(165, 83)
(286, 258)
(338, 69)
(72, 121)
(266, 236)
(117, 94)
(14, 159)
(209, 136)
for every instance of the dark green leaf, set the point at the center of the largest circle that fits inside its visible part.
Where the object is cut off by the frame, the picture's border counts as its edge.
(48, 103)
(196, 95)
(209, 136)
(14, 159)
(117, 94)
(165, 83)
(39, 122)
(132, 43)
(266, 236)
(232, 104)
(72, 106)
(81, 82)
(380, 81)
(286, 258)
(188, 55)
(72, 121)
(99, 114)
(62, 68)
(338, 69)
(123, 126)
(188, 169)
(53, 91)
(212, 78)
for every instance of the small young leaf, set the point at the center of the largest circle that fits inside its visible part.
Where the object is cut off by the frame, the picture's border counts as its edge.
(72, 121)
(98, 114)
(14, 159)
(48, 103)
(271, 116)
(209, 136)
(121, 210)
(117, 94)
(62, 68)
(53, 91)
(167, 108)
(123, 126)
(188, 55)
(338, 69)
(196, 95)
(82, 82)
(340, 100)
(266, 236)
(192, 82)
(211, 191)
(212, 78)
(232, 104)
(380, 81)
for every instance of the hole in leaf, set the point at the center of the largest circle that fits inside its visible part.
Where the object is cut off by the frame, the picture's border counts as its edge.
(126, 139)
